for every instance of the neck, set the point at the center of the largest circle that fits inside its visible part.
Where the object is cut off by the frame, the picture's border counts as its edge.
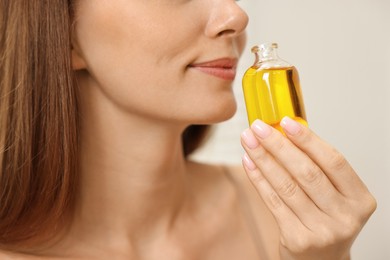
(133, 174)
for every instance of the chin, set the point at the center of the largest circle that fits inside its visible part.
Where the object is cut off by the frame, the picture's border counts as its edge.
(219, 114)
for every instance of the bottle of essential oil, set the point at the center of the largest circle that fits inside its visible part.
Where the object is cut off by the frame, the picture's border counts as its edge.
(271, 88)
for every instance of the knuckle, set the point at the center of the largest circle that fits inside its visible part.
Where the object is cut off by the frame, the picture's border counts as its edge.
(256, 177)
(337, 162)
(371, 205)
(312, 175)
(348, 231)
(300, 246)
(296, 244)
(274, 200)
(348, 227)
(366, 207)
(287, 188)
(328, 237)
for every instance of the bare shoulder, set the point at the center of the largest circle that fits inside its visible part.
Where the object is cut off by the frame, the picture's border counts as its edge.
(215, 177)
(227, 190)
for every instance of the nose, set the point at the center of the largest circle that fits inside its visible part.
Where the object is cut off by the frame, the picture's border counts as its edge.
(226, 19)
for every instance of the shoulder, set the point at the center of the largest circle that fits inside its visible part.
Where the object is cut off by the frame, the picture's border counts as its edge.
(227, 177)
(218, 177)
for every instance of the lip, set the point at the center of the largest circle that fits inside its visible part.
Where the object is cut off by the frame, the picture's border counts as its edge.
(224, 68)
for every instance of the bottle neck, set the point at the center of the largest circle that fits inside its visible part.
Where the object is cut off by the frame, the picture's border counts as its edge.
(268, 52)
(266, 56)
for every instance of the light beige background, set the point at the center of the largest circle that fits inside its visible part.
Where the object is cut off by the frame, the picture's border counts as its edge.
(342, 51)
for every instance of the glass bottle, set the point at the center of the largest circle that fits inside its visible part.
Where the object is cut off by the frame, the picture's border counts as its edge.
(271, 88)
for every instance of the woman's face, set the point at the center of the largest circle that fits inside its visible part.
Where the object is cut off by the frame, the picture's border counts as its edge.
(167, 59)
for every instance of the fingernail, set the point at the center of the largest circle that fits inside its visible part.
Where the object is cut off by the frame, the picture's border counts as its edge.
(248, 163)
(290, 126)
(249, 139)
(261, 129)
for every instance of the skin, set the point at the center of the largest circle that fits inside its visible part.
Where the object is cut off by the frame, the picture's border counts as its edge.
(317, 199)
(139, 198)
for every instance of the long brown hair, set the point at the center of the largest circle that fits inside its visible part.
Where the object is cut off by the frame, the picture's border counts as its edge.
(38, 109)
(38, 118)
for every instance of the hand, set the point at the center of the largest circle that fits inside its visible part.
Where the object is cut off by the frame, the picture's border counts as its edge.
(317, 199)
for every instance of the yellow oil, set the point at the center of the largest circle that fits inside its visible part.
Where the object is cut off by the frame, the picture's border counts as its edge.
(271, 94)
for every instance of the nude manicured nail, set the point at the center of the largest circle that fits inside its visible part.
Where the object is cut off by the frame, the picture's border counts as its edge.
(261, 129)
(290, 126)
(249, 139)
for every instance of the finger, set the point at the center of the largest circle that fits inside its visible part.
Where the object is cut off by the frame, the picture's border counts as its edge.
(280, 180)
(285, 218)
(309, 176)
(332, 163)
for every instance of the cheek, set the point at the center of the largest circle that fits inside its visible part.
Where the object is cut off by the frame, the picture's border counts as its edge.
(132, 34)
(139, 64)
(119, 53)
(121, 46)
